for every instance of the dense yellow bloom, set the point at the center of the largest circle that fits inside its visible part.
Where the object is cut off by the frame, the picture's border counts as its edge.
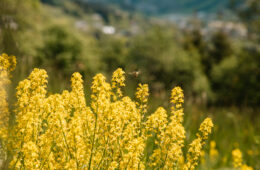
(157, 122)
(31, 95)
(62, 131)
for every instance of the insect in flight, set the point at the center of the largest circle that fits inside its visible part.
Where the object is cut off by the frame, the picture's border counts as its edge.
(135, 73)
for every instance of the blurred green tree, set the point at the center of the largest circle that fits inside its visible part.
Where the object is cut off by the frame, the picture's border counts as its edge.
(162, 60)
(113, 52)
(60, 51)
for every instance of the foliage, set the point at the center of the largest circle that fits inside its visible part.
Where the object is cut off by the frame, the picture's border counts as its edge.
(159, 52)
(12, 21)
(167, 62)
(60, 50)
(243, 73)
(113, 53)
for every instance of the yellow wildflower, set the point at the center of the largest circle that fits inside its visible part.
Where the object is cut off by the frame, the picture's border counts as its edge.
(205, 128)
(142, 94)
(7, 64)
(238, 161)
(237, 158)
(118, 81)
(195, 148)
(62, 131)
(213, 152)
(245, 167)
(177, 99)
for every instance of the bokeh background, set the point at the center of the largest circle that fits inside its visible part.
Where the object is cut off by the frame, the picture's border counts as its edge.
(209, 48)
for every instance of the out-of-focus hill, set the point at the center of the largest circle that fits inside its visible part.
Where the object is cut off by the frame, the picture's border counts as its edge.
(168, 6)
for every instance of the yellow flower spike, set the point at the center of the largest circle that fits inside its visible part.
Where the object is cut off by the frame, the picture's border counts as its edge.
(101, 93)
(170, 138)
(237, 158)
(213, 152)
(205, 128)
(195, 148)
(170, 142)
(177, 99)
(7, 65)
(76, 82)
(77, 94)
(194, 152)
(118, 81)
(142, 94)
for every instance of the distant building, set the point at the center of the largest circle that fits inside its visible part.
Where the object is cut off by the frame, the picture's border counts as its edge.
(108, 29)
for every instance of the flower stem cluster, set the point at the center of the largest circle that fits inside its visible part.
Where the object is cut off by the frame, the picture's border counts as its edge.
(195, 148)
(142, 95)
(62, 131)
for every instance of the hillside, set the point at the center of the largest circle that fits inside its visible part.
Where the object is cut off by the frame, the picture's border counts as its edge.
(169, 6)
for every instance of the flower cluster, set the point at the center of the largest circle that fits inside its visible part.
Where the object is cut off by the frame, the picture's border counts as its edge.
(142, 95)
(213, 152)
(7, 65)
(112, 131)
(195, 149)
(118, 81)
(62, 131)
